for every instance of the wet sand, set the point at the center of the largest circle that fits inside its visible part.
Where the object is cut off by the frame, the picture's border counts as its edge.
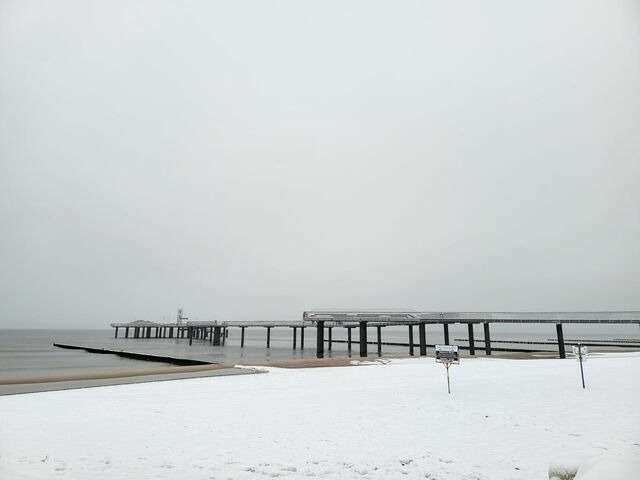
(101, 379)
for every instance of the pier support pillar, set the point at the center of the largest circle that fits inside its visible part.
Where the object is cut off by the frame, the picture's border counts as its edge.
(242, 336)
(472, 343)
(330, 337)
(126, 332)
(295, 336)
(216, 336)
(445, 327)
(411, 340)
(320, 339)
(487, 339)
(116, 336)
(379, 334)
(363, 339)
(190, 333)
(268, 337)
(560, 340)
(302, 338)
(148, 332)
(170, 332)
(349, 339)
(422, 333)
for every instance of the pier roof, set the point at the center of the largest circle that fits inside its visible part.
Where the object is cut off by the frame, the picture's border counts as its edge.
(409, 317)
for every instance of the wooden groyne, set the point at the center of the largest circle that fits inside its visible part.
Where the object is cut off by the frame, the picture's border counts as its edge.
(135, 355)
(324, 321)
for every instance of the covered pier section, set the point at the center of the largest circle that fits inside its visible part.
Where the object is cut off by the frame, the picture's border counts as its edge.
(329, 319)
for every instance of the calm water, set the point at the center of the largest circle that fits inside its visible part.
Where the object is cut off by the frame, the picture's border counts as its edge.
(30, 352)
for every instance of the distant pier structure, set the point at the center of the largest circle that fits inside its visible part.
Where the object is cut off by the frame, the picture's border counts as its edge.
(324, 321)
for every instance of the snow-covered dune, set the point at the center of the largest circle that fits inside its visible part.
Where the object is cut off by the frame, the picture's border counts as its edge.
(505, 419)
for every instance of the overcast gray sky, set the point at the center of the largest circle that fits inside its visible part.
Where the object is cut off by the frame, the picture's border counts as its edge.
(252, 159)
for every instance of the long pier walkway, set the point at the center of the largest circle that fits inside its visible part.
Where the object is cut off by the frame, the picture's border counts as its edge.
(324, 321)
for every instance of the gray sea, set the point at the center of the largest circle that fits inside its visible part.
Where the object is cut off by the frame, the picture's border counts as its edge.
(31, 352)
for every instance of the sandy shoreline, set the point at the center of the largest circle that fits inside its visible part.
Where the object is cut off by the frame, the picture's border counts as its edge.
(32, 384)
(291, 363)
(37, 384)
(112, 374)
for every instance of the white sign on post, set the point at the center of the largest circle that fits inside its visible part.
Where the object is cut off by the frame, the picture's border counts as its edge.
(447, 355)
(580, 352)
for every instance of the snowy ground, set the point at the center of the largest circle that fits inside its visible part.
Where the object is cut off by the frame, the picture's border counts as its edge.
(505, 419)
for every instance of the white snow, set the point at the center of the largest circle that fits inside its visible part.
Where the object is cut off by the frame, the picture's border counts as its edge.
(614, 465)
(505, 419)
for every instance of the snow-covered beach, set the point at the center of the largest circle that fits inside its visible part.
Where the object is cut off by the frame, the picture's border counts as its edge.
(505, 419)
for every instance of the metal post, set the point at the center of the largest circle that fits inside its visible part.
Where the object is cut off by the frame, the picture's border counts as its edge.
(363, 339)
(379, 333)
(242, 336)
(560, 340)
(445, 326)
(472, 343)
(268, 337)
(487, 339)
(422, 332)
(295, 334)
(411, 340)
(320, 339)
(580, 358)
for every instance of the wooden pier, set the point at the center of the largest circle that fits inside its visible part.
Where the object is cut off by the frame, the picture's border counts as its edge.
(324, 321)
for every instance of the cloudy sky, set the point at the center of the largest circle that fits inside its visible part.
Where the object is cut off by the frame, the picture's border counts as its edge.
(253, 159)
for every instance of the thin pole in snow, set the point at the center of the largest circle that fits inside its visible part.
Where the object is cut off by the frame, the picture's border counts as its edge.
(580, 357)
(448, 382)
